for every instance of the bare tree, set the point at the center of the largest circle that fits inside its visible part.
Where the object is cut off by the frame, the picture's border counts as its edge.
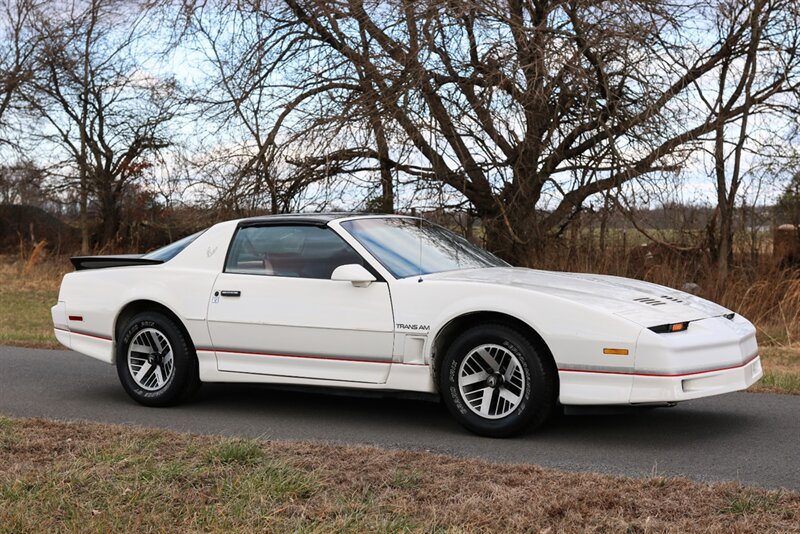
(508, 103)
(769, 65)
(101, 113)
(248, 108)
(17, 46)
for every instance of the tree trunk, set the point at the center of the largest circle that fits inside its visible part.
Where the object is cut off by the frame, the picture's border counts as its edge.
(724, 238)
(514, 231)
(387, 183)
(604, 224)
(725, 247)
(82, 130)
(110, 218)
(84, 216)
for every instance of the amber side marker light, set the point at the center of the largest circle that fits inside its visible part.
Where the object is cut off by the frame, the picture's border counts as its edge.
(667, 328)
(619, 352)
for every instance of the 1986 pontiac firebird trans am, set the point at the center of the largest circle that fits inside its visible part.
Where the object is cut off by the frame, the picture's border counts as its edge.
(394, 303)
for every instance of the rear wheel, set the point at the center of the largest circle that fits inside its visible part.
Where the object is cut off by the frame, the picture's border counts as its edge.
(155, 361)
(496, 383)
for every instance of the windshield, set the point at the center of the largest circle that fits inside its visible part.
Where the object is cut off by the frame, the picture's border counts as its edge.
(409, 247)
(171, 250)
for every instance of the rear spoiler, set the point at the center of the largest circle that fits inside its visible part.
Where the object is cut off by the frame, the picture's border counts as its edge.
(104, 262)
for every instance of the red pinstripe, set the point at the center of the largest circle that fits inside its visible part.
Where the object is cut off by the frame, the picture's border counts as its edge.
(83, 334)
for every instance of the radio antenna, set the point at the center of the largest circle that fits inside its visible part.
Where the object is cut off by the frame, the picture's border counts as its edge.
(419, 266)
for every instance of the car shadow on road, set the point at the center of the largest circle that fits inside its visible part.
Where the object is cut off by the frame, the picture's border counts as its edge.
(682, 425)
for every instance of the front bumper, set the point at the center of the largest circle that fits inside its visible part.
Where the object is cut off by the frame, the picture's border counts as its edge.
(714, 356)
(680, 387)
(592, 387)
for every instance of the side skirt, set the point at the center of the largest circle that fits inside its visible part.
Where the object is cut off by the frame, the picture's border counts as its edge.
(402, 377)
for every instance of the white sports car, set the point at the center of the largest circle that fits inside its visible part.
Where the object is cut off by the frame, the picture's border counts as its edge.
(394, 303)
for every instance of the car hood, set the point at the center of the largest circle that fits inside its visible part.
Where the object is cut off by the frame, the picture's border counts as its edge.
(641, 302)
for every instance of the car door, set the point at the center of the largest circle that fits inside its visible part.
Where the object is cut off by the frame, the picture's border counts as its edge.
(275, 311)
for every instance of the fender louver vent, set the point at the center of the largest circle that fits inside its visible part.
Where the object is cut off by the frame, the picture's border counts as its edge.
(650, 301)
(673, 299)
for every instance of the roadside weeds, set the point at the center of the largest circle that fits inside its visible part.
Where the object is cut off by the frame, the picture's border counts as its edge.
(93, 477)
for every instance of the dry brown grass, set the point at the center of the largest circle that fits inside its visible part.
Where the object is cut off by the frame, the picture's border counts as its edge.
(99, 478)
(43, 274)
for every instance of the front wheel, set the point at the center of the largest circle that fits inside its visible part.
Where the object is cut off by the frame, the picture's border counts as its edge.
(496, 383)
(155, 361)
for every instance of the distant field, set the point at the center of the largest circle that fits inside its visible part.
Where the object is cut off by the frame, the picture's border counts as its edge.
(82, 477)
(26, 301)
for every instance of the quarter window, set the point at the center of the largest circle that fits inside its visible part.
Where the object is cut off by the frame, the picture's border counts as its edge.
(173, 249)
(294, 251)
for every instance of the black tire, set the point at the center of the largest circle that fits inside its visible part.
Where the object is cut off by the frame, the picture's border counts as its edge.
(182, 382)
(538, 401)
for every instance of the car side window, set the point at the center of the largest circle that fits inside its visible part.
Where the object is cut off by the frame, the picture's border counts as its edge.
(297, 251)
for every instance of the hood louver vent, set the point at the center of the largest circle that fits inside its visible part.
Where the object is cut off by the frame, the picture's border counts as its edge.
(673, 299)
(650, 301)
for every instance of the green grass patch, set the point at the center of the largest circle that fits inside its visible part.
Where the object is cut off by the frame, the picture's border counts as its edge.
(748, 502)
(6, 423)
(25, 318)
(780, 382)
(405, 479)
(273, 480)
(781, 369)
(242, 452)
(8, 438)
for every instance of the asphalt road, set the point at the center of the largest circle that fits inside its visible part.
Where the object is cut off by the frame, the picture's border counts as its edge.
(747, 437)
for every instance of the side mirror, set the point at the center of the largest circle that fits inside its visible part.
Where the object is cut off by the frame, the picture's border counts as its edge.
(353, 273)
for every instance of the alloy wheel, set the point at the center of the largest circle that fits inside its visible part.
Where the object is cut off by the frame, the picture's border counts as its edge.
(150, 359)
(491, 381)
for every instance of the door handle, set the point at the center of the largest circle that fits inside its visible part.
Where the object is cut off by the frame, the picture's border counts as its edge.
(230, 293)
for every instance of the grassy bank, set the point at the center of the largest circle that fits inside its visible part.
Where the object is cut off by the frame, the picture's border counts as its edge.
(25, 318)
(99, 478)
(26, 300)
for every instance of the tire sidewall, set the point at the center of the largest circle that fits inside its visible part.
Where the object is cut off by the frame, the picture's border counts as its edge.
(535, 398)
(181, 355)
